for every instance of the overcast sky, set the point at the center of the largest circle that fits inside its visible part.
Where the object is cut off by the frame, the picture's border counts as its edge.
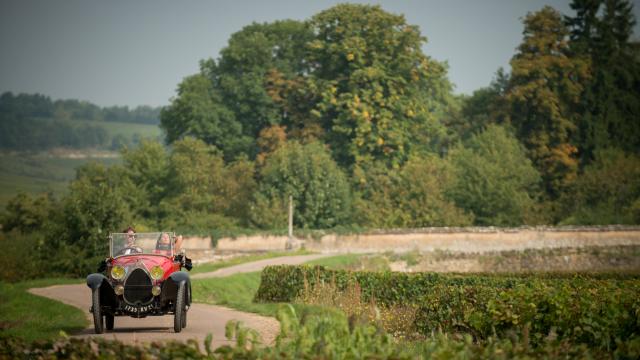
(128, 52)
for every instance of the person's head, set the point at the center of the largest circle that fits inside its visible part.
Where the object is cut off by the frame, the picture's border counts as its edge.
(131, 234)
(165, 239)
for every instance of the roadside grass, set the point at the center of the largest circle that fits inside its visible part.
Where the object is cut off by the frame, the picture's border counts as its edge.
(344, 261)
(31, 317)
(215, 265)
(237, 291)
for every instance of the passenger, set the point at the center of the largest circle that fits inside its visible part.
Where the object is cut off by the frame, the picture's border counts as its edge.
(163, 246)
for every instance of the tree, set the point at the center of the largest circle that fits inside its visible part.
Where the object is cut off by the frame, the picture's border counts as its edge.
(320, 191)
(203, 193)
(147, 166)
(543, 93)
(99, 202)
(197, 111)
(227, 103)
(413, 197)
(494, 179)
(601, 30)
(608, 191)
(377, 93)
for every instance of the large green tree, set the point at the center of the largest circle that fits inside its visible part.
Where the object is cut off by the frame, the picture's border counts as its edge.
(379, 95)
(543, 94)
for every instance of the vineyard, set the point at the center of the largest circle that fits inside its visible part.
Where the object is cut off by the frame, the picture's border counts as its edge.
(597, 311)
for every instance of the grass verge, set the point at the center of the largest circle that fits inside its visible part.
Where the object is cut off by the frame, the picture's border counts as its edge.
(30, 317)
(237, 291)
(213, 266)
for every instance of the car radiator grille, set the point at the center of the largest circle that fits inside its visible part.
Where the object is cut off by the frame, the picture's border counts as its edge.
(137, 288)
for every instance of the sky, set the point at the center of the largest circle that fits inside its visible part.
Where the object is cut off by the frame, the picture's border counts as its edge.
(125, 52)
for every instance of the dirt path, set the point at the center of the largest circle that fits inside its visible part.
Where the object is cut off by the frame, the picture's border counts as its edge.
(202, 319)
(259, 265)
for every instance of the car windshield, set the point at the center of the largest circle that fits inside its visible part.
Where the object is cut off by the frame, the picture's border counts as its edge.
(161, 243)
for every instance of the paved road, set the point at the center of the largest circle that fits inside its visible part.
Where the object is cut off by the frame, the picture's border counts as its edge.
(202, 319)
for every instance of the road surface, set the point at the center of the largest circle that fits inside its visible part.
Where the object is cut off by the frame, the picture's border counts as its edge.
(202, 319)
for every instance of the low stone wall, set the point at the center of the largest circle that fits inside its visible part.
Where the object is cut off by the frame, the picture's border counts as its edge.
(476, 240)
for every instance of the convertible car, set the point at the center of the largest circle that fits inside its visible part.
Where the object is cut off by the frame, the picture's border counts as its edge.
(141, 277)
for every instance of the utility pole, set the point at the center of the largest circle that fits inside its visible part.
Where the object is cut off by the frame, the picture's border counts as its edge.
(290, 240)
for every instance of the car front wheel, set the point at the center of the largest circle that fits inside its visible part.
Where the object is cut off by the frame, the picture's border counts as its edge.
(97, 312)
(179, 319)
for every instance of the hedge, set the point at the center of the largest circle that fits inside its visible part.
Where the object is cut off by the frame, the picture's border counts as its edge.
(600, 310)
(284, 283)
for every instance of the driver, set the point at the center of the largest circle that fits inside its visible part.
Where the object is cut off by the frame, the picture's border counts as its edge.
(131, 247)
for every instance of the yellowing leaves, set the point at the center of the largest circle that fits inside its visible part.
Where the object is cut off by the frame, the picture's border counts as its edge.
(380, 141)
(350, 57)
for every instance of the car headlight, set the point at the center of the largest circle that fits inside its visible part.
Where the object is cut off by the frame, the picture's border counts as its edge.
(157, 273)
(117, 272)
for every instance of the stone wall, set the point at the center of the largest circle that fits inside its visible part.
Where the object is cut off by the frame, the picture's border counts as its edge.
(472, 239)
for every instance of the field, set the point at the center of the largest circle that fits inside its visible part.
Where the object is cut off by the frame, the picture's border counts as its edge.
(128, 129)
(36, 173)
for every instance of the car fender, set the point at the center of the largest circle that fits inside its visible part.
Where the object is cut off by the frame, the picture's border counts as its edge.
(170, 286)
(94, 281)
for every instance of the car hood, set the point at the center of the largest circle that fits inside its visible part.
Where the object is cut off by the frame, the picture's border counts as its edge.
(147, 260)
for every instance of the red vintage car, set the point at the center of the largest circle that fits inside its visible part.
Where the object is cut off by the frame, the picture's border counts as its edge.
(142, 277)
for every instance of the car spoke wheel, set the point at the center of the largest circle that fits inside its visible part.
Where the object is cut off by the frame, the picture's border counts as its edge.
(97, 311)
(180, 312)
(108, 321)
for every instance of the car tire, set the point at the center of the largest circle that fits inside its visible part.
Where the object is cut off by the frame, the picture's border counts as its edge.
(184, 319)
(108, 323)
(98, 325)
(180, 311)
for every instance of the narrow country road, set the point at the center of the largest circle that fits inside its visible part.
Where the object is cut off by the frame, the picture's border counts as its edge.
(202, 319)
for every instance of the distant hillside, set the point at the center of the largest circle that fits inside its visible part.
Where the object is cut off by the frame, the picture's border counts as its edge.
(33, 122)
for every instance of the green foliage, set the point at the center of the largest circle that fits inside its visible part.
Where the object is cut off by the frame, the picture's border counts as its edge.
(412, 197)
(494, 179)
(27, 214)
(608, 191)
(320, 191)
